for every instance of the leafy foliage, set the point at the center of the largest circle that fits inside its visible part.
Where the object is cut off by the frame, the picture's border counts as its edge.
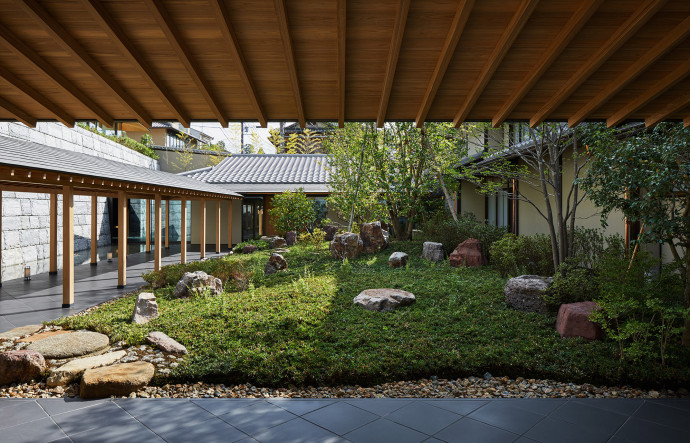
(261, 245)
(123, 140)
(292, 211)
(515, 255)
(314, 238)
(442, 229)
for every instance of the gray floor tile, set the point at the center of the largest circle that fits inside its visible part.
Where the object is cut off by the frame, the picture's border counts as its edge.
(32, 432)
(340, 418)
(591, 417)
(679, 403)
(621, 405)
(61, 440)
(55, 406)
(300, 406)
(297, 431)
(257, 418)
(506, 417)
(21, 412)
(383, 430)
(423, 417)
(209, 431)
(542, 406)
(467, 430)
(379, 406)
(460, 406)
(220, 406)
(646, 431)
(664, 415)
(165, 421)
(85, 419)
(130, 431)
(554, 430)
(143, 406)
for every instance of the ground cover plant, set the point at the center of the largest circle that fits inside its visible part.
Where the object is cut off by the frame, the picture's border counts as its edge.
(300, 326)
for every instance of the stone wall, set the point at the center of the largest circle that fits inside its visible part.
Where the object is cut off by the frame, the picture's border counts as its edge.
(25, 216)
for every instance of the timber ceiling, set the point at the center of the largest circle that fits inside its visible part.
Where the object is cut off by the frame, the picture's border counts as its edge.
(355, 60)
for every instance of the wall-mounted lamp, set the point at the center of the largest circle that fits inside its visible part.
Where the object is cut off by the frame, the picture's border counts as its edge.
(110, 256)
(27, 272)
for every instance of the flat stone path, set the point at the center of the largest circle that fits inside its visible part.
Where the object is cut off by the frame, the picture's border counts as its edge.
(341, 420)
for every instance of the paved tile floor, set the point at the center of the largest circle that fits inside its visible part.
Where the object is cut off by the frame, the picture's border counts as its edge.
(356, 420)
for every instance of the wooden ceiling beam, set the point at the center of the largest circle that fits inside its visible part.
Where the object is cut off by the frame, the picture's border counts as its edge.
(686, 121)
(70, 45)
(459, 21)
(31, 57)
(558, 44)
(165, 22)
(499, 52)
(641, 15)
(675, 105)
(342, 38)
(393, 54)
(221, 11)
(18, 113)
(677, 34)
(650, 94)
(281, 14)
(60, 114)
(136, 58)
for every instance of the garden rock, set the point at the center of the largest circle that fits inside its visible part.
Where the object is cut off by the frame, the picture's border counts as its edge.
(432, 251)
(21, 331)
(397, 260)
(165, 343)
(277, 242)
(347, 245)
(573, 321)
(145, 309)
(330, 231)
(70, 371)
(525, 292)
(275, 263)
(374, 237)
(118, 380)
(468, 253)
(42, 335)
(248, 249)
(20, 366)
(291, 238)
(196, 283)
(74, 344)
(384, 300)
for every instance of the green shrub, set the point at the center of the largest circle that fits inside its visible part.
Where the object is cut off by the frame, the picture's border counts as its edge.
(314, 238)
(261, 245)
(515, 255)
(293, 211)
(571, 284)
(442, 229)
(124, 141)
(225, 269)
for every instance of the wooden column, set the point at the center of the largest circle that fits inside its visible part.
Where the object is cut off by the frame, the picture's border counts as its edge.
(183, 231)
(157, 232)
(217, 226)
(0, 237)
(52, 270)
(167, 224)
(148, 225)
(121, 239)
(202, 232)
(261, 221)
(94, 230)
(230, 224)
(67, 246)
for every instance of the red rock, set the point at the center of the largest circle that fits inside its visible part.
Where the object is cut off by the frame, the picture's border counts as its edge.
(248, 249)
(468, 253)
(20, 366)
(573, 321)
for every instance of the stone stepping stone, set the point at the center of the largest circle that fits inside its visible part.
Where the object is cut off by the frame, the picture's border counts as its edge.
(119, 380)
(165, 343)
(384, 300)
(42, 335)
(75, 344)
(68, 372)
(20, 332)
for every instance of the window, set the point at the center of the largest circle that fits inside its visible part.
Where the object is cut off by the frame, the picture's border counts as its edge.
(501, 209)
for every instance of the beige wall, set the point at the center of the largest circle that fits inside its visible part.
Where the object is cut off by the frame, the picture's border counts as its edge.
(472, 200)
(211, 222)
(157, 134)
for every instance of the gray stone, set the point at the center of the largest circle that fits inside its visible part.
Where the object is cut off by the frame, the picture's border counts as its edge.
(374, 237)
(248, 249)
(70, 371)
(74, 344)
(433, 251)
(397, 260)
(197, 283)
(119, 380)
(21, 331)
(277, 242)
(347, 245)
(275, 263)
(20, 366)
(165, 343)
(145, 309)
(384, 300)
(330, 231)
(291, 238)
(525, 292)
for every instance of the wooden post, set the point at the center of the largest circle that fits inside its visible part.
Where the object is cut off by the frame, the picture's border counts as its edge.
(157, 240)
(167, 224)
(67, 246)
(122, 240)
(148, 225)
(183, 231)
(217, 226)
(94, 230)
(0, 237)
(52, 270)
(202, 232)
(230, 224)
(261, 221)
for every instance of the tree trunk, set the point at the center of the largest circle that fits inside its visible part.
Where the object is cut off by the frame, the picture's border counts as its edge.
(686, 271)
(439, 175)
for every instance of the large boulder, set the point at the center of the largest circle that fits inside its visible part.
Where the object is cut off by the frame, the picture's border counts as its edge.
(374, 237)
(277, 242)
(145, 308)
(525, 292)
(71, 370)
(330, 231)
(291, 238)
(74, 344)
(276, 262)
(384, 300)
(248, 249)
(432, 251)
(397, 260)
(347, 245)
(197, 283)
(468, 253)
(20, 366)
(165, 343)
(573, 321)
(119, 380)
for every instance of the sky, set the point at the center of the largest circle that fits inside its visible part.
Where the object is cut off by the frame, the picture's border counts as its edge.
(232, 135)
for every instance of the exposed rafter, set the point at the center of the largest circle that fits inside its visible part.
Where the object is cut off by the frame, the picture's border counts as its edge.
(677, 34)
(221, 11)
(641, 15)
(165, 22)
(135, 57)
(396, 43)
(342, 36)
(60, 114)
(281, 14)
(686, 121)
(650, 93)
(39, 63)
(461, 15)
(68, 43)
(17, 113)
(674, 106)
(564, 37)
(500, 50)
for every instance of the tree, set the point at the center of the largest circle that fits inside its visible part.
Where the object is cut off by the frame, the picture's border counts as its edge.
(646, 176)
(292, 211)
(305, 142)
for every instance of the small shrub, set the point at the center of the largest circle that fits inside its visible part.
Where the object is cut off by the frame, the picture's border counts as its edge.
(525, 254)
(439, 228)
(261, 245)
(314, 238)
(293, 211)
(571, 284)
